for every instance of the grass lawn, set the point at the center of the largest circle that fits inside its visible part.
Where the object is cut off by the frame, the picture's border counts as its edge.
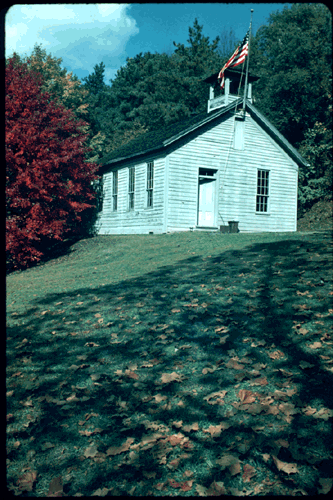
(187, 364)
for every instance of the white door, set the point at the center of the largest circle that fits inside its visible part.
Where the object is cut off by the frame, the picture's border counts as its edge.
(206, 207)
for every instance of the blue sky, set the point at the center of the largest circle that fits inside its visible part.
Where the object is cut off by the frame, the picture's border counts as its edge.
(87, 34)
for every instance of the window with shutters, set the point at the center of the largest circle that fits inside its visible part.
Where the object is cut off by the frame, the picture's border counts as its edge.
(114, 190)
(131, 187)
(150, 183)
(262, 191)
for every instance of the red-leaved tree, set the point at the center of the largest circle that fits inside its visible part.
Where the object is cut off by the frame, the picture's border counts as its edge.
(48, 182)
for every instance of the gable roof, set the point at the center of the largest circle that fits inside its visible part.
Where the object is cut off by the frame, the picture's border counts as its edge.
(157, 140)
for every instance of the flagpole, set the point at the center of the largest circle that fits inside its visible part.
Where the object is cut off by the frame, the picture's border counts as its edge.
(247, 66)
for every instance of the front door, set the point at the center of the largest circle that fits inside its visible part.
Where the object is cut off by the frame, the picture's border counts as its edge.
(206, 207)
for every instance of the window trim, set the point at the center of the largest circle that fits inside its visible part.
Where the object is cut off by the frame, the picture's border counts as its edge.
(114, 190)
(150, 184)
(263, 185)
(131, 188)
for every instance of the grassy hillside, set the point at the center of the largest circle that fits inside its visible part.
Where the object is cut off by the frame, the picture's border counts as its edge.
(178, 364)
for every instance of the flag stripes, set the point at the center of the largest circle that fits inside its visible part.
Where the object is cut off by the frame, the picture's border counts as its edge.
(237, 58)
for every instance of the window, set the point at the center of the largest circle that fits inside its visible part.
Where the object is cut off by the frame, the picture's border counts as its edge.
(207, 172)
(150, 183)
(114, 190)
(131, 187)
(262, 191)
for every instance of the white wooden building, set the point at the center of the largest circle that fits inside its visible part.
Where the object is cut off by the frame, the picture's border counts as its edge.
(226, 164)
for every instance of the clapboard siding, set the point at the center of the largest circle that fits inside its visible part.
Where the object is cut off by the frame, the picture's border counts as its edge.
(237, 179)
(142, 219)
(176, 183)
(259, 152)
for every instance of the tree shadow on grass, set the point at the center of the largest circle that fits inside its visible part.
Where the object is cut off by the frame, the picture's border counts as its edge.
(97, 362)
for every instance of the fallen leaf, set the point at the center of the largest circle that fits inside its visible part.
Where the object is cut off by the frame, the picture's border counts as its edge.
(226, 461)
(72, 398)
(176, 439)
(100, 492)
(114, 450)
(160, 486)
(232, 363)
(188, 473)
(315, 345)
(26, 482)
(324, 413)
(309, 411)
(208, 370)
(191, 427)
(55, 487)
(276, 355)
(201, 490)
(248, 472)
(177, 424)
(215, 398)
(220, 329)
(215, 431)
(234, 468)
(246, 396)
(282, 442)
(254, 408)
(170, 377)
(173, 464)
(284, 466)
(173, 483)
(131, 374)
(91, 451)
(186, 485)
(216, 489)
(303, 331)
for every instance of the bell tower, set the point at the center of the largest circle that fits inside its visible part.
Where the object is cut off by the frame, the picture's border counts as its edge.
(234, 81)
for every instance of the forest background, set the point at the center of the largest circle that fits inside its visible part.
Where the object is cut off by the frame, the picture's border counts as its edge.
(292, 55)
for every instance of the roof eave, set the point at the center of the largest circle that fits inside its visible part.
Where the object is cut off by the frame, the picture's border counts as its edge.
(174, 138)
(284, 143)
(203, 122)
(128, 157)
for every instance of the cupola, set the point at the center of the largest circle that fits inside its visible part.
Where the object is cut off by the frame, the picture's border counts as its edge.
(234, 80)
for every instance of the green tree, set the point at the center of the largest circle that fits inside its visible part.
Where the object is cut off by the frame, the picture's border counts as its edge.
(316, 181)
(293, 57)
(227, 44)
(94, 83)
(154, 90)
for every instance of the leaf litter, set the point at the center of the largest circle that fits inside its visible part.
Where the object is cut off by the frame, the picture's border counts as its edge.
(144, 401)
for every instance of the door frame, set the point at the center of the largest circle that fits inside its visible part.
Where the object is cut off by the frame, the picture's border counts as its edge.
(215, 177)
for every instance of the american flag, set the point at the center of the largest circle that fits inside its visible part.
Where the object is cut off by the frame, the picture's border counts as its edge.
(237, 58)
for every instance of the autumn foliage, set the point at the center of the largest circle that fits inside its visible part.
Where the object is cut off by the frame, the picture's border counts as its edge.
(48, 182)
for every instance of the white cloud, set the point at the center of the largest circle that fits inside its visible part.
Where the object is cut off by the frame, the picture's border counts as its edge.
(81, 34)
